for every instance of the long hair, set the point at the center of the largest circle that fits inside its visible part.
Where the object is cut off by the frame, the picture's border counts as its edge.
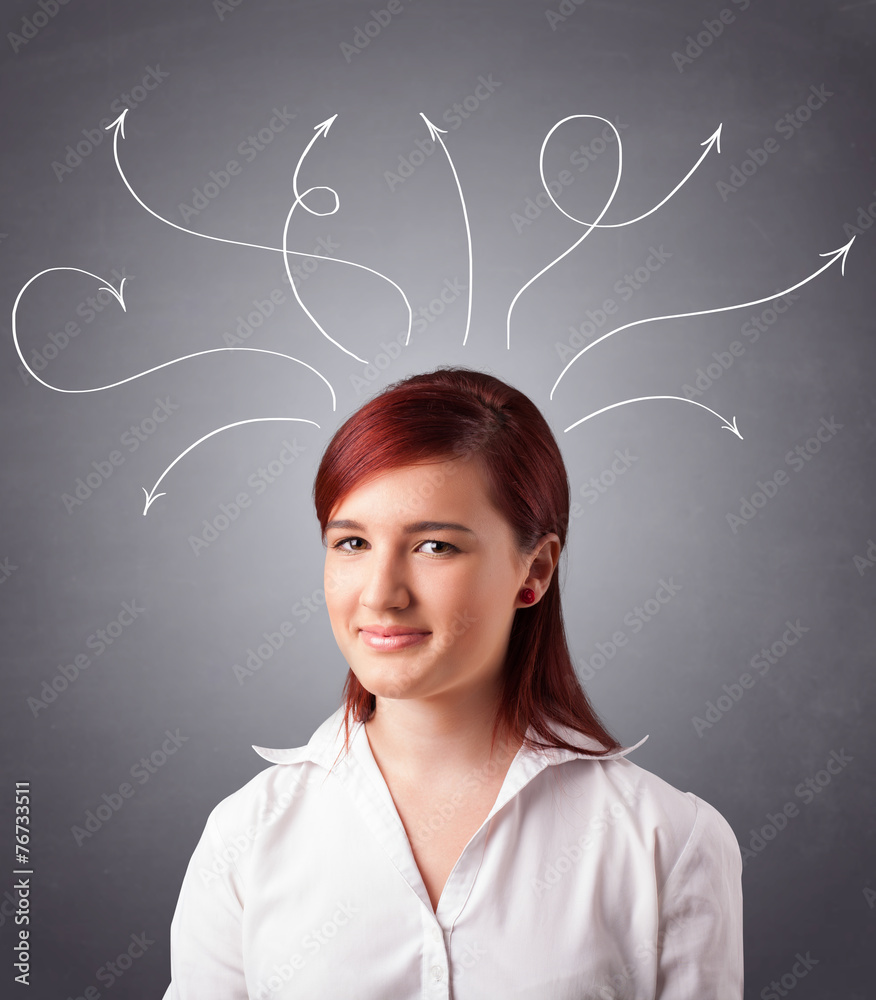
(457, 413)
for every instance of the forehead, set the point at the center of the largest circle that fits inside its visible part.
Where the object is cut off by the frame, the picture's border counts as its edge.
(423, 490)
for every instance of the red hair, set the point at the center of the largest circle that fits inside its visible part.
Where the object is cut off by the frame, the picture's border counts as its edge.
(457, 413)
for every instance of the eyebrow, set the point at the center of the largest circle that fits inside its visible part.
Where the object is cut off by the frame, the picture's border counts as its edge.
(411, 529)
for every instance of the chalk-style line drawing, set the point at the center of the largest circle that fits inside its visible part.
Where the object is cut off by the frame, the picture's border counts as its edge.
(714, 141)
(835, 255)
(300, 198)
(119, 126)
(321, 130)
(726, 424)
(435, 134)
(152, 496)
(120, 295)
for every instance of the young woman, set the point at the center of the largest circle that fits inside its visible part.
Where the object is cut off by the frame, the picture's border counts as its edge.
(463, 826)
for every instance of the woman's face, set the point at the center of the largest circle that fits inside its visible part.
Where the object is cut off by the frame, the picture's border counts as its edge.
(422, 578)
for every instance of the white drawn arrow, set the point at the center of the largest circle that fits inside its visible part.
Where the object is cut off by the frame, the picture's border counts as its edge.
(436, 134)
(729, 425)
(840, 254)
(152, 496)
(714, 141)
(120, 296)
(710, 143)
(119, 126)
(320, 130)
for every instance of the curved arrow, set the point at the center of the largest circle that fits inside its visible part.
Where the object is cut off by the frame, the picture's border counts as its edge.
(119, 126)
(710, 143)
(729, 425)
(120, 296)
(436, 134)
(152, 496)
(835, 255)
(714, 140)
(578, 242)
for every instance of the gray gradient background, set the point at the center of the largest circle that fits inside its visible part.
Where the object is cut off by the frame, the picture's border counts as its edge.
(666, 517)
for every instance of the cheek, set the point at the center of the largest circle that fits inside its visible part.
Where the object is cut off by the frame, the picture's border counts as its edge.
(340, 589)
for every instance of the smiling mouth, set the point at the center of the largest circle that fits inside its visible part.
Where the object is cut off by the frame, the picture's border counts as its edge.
(392, 637)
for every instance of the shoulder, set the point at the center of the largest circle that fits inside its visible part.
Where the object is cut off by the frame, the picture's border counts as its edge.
(263, 799)
(679, 828)
(278, 790)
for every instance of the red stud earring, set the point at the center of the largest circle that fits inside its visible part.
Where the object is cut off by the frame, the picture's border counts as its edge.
(527, 595)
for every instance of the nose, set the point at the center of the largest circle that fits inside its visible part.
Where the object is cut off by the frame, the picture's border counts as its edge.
(385, 585)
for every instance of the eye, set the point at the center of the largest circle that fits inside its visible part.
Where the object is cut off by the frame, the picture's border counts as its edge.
(447, 549)
(343, 544)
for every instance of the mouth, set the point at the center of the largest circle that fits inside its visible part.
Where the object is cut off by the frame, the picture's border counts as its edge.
(390, 637)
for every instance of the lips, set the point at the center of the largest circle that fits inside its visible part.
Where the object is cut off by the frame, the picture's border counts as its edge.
(390, 637)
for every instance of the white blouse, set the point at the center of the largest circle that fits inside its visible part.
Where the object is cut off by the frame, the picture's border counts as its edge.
(590, 879)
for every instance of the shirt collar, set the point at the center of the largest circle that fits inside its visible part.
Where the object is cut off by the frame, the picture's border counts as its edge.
(327, 743)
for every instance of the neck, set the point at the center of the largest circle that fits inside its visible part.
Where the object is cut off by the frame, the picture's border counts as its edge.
(422, 740)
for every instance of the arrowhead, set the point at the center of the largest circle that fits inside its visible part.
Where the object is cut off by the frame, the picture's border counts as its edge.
(120, 121)
(715, 137)
(326, 125)
(150, 499)
(841, 252)
(732, 427)
(120, 294)
(433, 129)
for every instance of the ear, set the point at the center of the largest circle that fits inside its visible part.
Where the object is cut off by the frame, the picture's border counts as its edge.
(542, 562)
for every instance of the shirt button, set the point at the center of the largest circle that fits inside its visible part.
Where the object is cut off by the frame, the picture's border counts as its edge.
(436, 933)
(437, 973)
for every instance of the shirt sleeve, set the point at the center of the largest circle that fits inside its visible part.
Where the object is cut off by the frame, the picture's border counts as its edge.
(700, 936)
(206, 952)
